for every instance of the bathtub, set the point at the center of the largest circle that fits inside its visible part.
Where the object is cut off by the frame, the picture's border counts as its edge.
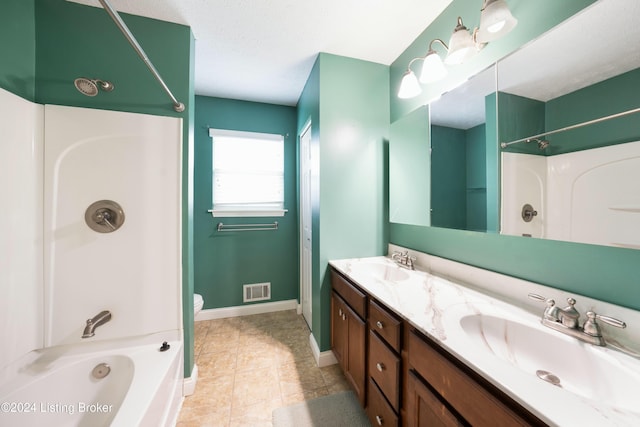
(57, 386)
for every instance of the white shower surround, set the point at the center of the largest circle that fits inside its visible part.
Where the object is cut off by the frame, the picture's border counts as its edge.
(55, 272)
(590, 196)
(21, 268)
(134, 272)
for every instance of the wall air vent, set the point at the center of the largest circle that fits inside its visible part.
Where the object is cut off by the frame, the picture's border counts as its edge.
(256, 292)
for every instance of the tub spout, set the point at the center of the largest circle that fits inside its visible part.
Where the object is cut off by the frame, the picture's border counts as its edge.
(99, 319)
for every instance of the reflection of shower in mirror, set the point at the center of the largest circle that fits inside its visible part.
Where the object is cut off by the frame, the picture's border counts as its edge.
(589, 196)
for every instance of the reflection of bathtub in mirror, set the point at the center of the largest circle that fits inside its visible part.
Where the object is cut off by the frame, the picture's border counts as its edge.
(590, 196)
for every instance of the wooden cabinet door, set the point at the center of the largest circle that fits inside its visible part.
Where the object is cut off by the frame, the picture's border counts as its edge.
(424, 409)
(355, 369)
(338, 329)
(348, 342)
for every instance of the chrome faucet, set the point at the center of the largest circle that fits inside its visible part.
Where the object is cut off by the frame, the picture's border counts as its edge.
(99, 319)
(567, 321)
(403, 259)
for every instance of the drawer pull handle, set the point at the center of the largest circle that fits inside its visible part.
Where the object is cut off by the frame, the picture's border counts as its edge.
(340, 312)
(379, 420)
(380, 366)
(344, 316)
(379, 324)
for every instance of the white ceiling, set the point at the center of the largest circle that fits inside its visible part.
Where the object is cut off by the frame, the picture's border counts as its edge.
(263, 50)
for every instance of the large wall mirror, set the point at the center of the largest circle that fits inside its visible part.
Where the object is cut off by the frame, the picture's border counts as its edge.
(585, 69)
(562, 180)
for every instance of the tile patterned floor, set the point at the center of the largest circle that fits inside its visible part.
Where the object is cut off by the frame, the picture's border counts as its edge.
(248, 366)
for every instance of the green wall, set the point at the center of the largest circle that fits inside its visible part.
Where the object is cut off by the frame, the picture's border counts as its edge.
(458, 184)
(347, 101)
(18, 47)
(492, 170)
(605, 273)
(476, 185)
(46, 44)
(448, 177)
(226, 261)
(520, 117)
(608, 97)
(74, 40)
(410, 161)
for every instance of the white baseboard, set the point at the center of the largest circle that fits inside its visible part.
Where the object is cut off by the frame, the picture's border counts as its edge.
(189, 384)
(246, 310)
(324, 358)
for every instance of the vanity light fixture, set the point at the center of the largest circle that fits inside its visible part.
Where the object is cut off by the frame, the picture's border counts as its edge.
(432, 67)
(496, 20)
(462, 45)
(409, 85)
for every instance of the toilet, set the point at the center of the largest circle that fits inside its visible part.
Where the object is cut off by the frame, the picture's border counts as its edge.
(198, 302)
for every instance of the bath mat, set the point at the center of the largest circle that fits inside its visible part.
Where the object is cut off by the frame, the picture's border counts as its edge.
(335, 410)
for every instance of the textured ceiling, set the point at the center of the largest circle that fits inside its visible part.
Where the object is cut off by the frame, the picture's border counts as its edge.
(263, 50)
(599, 42)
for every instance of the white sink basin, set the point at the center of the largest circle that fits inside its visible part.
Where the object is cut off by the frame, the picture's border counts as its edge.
(546, 355)
(380, 270)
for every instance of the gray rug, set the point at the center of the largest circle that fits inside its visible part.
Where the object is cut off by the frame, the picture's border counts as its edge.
(335, 410)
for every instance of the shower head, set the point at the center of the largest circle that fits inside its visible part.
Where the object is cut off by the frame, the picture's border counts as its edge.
(542, 143)
(91, 87)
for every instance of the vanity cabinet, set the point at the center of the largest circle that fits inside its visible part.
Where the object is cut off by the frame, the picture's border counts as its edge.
(404, 378)
(442, 391)
(348, 332)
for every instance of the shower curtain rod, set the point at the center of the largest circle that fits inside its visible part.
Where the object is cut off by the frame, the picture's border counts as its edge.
(578, 125)
(177, 105)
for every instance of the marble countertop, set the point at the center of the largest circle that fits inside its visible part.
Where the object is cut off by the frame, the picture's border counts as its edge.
(589, 395)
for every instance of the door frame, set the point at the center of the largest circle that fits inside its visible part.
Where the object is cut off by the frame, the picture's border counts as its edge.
(305, 163)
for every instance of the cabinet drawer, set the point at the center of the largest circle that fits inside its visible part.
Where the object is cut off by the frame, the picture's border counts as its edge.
(353, 296)
(378, 409)
(384, 368)
(477, 404)
(385, 324)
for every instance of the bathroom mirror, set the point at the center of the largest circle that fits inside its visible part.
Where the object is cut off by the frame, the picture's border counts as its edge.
(462, 122)
(581, 182)
(410, 169)
(437, 159)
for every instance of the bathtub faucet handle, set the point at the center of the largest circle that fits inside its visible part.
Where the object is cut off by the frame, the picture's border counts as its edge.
(99, 319)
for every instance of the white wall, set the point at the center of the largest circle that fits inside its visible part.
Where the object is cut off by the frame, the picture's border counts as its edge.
(523, 181)
(595, 196)
(21, 292)
(134, 272)
(590, 196)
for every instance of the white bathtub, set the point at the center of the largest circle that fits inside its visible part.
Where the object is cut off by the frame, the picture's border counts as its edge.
(55, 386)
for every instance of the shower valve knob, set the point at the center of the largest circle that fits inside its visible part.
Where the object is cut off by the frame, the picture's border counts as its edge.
(528, 212)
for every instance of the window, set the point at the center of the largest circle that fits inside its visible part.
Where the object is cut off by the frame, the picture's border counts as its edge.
(248, 174)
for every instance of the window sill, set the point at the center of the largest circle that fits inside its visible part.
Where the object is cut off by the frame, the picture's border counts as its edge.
(246, 213)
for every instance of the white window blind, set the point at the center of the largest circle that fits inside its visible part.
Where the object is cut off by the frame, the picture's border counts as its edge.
(248, 173)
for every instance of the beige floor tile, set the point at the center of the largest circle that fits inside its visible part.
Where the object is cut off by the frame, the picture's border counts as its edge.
(225, 341)
(214, 394)
(248, 366)
(216, 364)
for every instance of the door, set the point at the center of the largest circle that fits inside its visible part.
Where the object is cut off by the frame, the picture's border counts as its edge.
(305, 223)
